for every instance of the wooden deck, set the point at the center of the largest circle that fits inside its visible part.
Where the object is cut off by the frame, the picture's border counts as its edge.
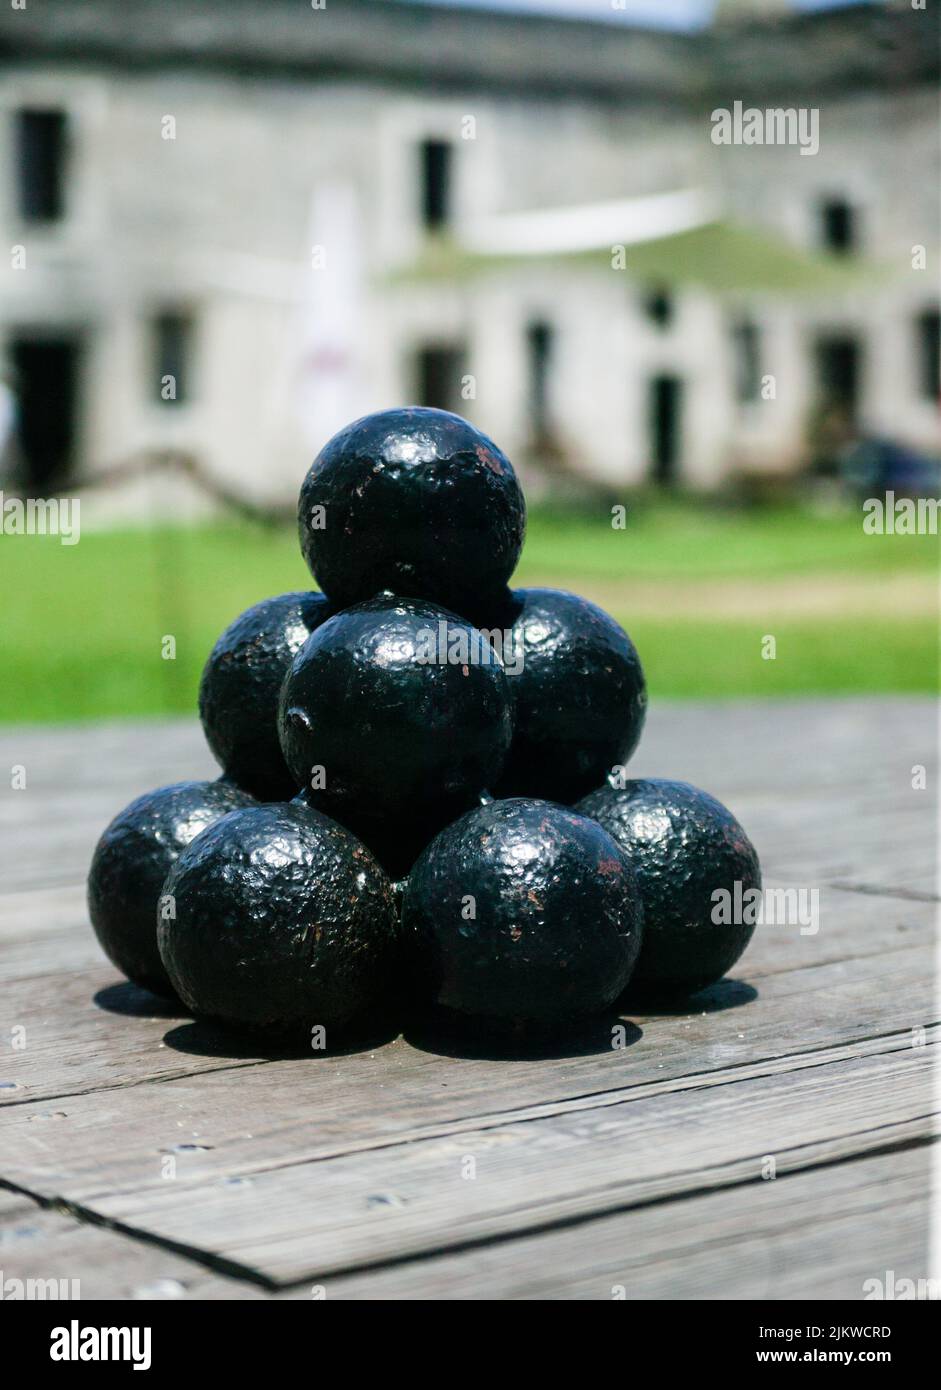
(149, 1157)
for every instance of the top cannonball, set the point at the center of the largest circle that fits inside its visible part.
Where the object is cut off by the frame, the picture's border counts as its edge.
(416, 501)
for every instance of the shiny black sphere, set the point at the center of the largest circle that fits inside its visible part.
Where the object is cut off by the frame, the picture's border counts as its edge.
(522, 912)
(395, 715)
(241, 681)
(416, 501)
(282, 920)
(688, 852)
(579, 695)
(131, 861)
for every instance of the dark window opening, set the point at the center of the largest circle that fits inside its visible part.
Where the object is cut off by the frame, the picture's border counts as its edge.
(435, 184)
(746, 339)
(838, 226)
(40, 163)
(45, 380)
(173, 334)
(439, 372)
(928, 329)
(539, 353)
(665, 409)
(838, 374)
(833, 424)
(658, 306)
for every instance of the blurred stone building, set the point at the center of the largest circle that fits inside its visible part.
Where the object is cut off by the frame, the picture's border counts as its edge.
(234, 226)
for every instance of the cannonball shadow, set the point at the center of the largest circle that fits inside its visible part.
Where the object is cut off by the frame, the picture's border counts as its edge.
(446, 1036)
(133, 1001)
(725, 994)
(203, 1038)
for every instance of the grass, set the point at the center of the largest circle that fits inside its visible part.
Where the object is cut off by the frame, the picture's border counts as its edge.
(83, 627)
(724, 659)
(687, 539)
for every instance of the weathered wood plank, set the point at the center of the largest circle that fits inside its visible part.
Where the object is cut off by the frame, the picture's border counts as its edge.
(304, 1115)
(146, 1085)
(73, 1045)
(308, 1219)
(89, 1262)
(342, 1138)
(305, 1219)
(77, 779)
(820, 1234)
(823, 838)
(45, 931)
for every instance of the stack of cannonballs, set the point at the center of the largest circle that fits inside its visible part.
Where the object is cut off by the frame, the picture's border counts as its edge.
(423, 797)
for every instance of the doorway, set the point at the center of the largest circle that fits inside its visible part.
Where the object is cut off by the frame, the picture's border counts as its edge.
(665, 407)
(838, 372)
(439, 372)
(436, 159)
(45, 383)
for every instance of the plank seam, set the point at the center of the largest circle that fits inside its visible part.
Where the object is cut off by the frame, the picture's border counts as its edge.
(881, 890)
(815, 1058)
(233, 1269)
(585, 1218)
(87, 1216)
(606, 1099)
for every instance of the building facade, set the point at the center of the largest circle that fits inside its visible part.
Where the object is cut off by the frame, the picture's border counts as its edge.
(234, 227)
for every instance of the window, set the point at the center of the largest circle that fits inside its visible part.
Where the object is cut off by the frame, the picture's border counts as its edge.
(928, 332)
(539, 353)
(838, 372)
(439, 370)
(435, 184)
(838, 226)
(40, 151)
(173, 335)
(48, 384)
(658, 306)
(665, 413)
(746, 339)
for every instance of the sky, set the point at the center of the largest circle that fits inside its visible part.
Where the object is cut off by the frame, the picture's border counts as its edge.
(670, 14)
(673, 14)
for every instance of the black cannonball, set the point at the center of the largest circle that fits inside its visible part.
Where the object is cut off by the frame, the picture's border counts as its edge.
(579, 695)
(689, 853)
(131, 861)
(522, 912)
(281, 920)
(416, 501)
(395, 716)
(238, 693)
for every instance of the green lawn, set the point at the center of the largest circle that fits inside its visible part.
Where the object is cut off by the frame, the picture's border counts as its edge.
(82, 626)
(698, 540)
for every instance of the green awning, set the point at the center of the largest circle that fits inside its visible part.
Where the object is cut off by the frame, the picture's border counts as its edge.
(721, 256)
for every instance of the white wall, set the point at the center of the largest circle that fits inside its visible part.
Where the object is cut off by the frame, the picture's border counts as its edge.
(218, 220)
